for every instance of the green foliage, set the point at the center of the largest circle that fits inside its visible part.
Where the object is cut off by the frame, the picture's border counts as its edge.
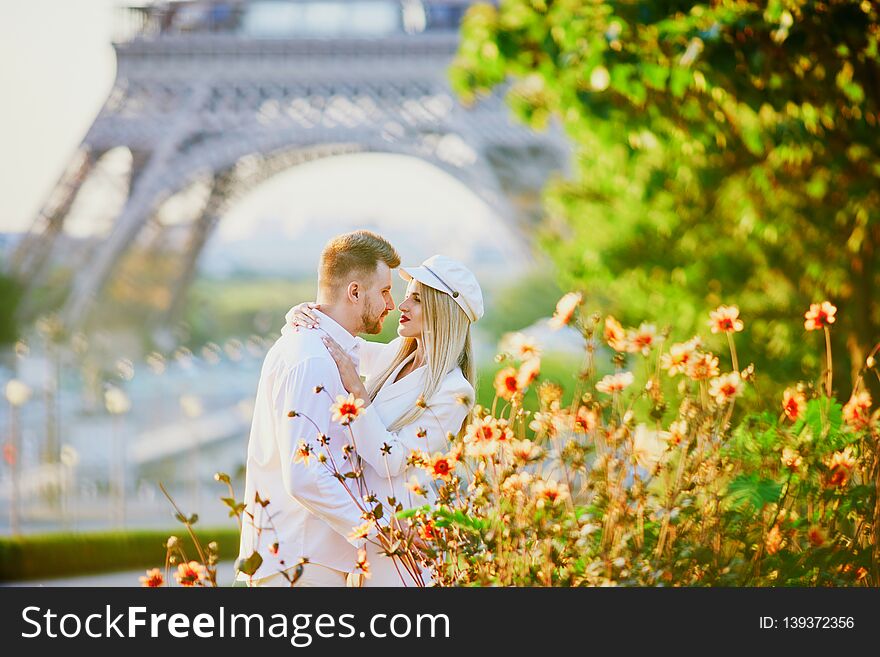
(521, 303)
(725, 152)
(66, 555)
(10, 297)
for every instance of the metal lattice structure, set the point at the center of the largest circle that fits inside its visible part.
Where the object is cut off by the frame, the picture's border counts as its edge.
(234, 109)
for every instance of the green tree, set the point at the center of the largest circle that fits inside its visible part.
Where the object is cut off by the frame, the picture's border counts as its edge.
(726, 152)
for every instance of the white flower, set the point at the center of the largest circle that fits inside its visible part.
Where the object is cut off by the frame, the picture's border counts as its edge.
(615, 382)
(648, 447)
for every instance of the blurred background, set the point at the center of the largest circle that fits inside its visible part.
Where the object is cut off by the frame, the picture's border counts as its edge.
(171, 172)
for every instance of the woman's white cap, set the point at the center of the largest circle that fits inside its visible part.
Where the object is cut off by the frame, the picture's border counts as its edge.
(451, 277)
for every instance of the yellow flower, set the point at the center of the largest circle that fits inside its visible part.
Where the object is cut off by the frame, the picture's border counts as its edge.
(793, 403)
(614, 335)
(191, 574)
(565, 310)
(819, 316)
(725, 319)
(857, 411)
(346, 409)
(505, 383)
(725, 387)
(153, 579)
(615, 382)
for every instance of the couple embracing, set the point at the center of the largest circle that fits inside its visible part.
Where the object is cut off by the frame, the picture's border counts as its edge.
(416, 390)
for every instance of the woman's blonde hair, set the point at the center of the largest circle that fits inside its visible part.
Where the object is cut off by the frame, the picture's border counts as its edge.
(446, 334)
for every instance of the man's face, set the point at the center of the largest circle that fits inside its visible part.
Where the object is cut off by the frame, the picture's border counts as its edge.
(377, 301)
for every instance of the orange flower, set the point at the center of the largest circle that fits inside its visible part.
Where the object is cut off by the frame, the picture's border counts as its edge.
(549, 491)
(840, 466)
(346, 409)
(773, 541)
(516, 483)
(440, 467)
(676, 361)
(519, 346)
(303, 453)
(415, 487)
(791, 459)
(525, 450)
(565, 310)
(190, 574)
(819, 316)
(702, 367)
(726, 387)
(677, 433)
(793, 403)
(857, 411)
(505, 383)
(528, 372)
(642, 339)
(362, 564)
(483, 436)
(725, 319)
(816, 536)
(614, 335)
(427, 531)
(615, 382)
(153, 579)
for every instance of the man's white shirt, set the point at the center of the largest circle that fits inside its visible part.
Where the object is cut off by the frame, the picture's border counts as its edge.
(311, 513)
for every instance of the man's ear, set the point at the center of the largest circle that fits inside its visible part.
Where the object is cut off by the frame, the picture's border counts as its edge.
(353, 291)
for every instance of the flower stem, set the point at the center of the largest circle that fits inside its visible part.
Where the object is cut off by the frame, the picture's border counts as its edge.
(828, 370)
(733, 358)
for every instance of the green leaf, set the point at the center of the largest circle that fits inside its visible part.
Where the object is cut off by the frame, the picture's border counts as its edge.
(409, 513)
(752, 490)
(250, 565)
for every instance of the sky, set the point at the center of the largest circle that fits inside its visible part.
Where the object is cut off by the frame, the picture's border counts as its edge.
(57, 67)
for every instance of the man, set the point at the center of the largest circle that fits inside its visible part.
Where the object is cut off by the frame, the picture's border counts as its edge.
(309, 513)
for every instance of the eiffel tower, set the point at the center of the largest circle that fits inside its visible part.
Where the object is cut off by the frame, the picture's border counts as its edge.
(225, 95)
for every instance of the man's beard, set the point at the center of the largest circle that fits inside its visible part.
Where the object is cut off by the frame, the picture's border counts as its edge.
(372, 324)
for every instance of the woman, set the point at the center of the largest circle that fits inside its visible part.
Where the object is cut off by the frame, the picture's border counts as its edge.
(417, 389)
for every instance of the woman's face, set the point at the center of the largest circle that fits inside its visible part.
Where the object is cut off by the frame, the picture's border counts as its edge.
(410, 313)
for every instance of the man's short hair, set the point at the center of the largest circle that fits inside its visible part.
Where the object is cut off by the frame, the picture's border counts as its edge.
(354, 254)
